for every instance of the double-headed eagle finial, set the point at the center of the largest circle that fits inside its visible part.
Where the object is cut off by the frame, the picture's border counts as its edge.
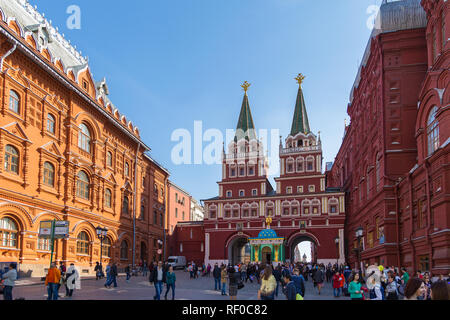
(245, 86)
(300, 78)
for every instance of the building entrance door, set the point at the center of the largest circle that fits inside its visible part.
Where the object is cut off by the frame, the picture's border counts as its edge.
(266, 255)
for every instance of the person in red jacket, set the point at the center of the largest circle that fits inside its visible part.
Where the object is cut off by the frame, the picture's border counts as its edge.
(338, 283)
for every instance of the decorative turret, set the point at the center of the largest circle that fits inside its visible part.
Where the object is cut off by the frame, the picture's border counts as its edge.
(245, 128)
(300, 122)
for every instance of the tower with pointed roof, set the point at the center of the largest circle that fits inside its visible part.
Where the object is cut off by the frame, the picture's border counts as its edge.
(244, 165)
(301, 155)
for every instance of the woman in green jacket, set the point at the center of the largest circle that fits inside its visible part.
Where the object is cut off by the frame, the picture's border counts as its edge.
(354, 288)
(170, 281)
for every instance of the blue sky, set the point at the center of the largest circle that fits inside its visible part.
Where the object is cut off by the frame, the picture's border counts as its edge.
(171, 62)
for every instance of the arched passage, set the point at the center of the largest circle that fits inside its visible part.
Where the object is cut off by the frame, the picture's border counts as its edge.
(297, 248)
(239, 250)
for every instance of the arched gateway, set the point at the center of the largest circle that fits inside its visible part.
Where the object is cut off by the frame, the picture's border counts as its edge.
(301, 205)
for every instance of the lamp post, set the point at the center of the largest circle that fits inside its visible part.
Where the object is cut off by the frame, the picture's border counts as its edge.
(359, 233)
(336, 241)
(101, 234)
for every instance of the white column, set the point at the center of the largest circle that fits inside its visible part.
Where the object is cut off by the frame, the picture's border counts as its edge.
(207, 248)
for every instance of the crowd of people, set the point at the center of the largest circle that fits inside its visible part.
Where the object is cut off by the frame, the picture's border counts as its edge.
(288, 279)
(393, 284)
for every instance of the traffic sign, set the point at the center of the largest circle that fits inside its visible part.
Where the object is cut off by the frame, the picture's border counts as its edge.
(61, 229)
(45, 230)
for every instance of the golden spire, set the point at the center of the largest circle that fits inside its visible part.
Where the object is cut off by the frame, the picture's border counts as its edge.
(245, 86)
(300, 78)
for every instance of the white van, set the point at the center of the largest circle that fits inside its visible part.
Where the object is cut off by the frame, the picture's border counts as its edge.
(177, 262)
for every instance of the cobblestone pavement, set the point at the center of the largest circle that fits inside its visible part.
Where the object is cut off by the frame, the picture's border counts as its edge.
(140, 289)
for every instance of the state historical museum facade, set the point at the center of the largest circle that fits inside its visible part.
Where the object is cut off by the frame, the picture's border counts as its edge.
(394, 160)
(301, 207)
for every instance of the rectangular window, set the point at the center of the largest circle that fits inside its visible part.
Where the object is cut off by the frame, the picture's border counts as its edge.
(300, 189)
(44, 244)
(289, 190)
(254, 212)
(254, 192)
(229, 194)
(176, 212)
(312, 188)
(241, 193)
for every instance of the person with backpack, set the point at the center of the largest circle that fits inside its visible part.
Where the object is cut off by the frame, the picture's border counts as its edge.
(299, 282)
(289, 289)
(268, 285)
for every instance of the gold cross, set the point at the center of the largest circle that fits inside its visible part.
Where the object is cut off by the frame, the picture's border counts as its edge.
(245, 86)
(269, 221)
(300, 78)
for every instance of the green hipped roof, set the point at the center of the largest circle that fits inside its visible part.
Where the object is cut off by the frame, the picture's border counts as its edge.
(300, 122)
(245, 122)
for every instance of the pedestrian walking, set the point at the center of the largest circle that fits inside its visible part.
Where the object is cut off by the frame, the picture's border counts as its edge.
(128, 272)
(234, 279)
(414, 289)
(277, 274)
(319, 278)
(338, 283)
(289, 289)
(158, 278)
(223, 279)
(144, 269)
(299, 282)
(216, 275)
(73, 281)
(171, 278)
(112, 276)
(52, 282)
(268, 285)
(98, 271)
(354, 287)
(8, 281)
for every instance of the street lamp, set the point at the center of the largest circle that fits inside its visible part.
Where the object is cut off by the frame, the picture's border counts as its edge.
(359, 233)
(101, 234)
(336, 241)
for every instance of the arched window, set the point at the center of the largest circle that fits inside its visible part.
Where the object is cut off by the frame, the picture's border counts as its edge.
(83, 243)
(306, 207)
(433, 131)
(14, 102)
(106, 251)
(290, 165)
(83, 185)
(49, 174)
(315, 207)
(269, 210)
(124, 250)
(125, 205)
(300, 165)
(286, 209)
(51, 123)
(310, 164)
(143, 210)
(84, 138)
(109, 161)
(8, 233)
(127, 169)
(11, 159)
(108, 198)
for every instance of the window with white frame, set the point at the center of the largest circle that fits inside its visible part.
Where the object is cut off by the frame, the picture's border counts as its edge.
(300, 165)
(289, 190)
(433, 131)
(300, 189)
(312, 188)
(229, 194)
(241, 193)
(254, 192)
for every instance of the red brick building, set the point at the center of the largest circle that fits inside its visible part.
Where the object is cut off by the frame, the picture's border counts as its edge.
(178, 210)
(393, 163)
(301, 206)
(189, 240)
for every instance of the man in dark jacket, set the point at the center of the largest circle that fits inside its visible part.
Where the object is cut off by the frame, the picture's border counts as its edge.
(216, 275)
(158, 277)
(277, 274)
(319, 278)
(299, 282)
(289, 290)
(113, 275)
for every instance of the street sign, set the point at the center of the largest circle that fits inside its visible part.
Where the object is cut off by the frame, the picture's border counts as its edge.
(61, 229)
(45, 230)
